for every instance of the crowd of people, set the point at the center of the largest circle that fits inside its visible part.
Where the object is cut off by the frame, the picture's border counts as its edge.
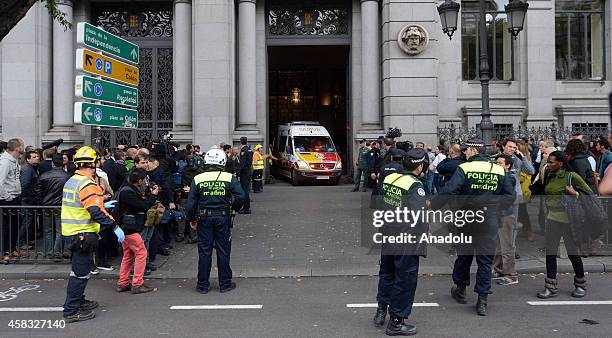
(32, 182)
(536, 169)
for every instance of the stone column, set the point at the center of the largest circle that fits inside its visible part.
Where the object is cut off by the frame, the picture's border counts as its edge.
(370, 61)
(537, 39)
(247, 100)
(63, 70)
(182, 90)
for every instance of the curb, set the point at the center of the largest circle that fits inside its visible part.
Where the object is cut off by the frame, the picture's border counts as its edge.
(33, 272)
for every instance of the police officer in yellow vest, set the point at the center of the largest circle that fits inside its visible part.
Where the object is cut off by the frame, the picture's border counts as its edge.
(258, 168)
(399, 263)
(477, 185)
(83, 217)
(209, 211)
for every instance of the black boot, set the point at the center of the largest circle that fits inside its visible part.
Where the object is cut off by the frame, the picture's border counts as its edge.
(397, 327)
(481, 305)
(550, 289)
(381, 315)
(458, 292)
(580, 284)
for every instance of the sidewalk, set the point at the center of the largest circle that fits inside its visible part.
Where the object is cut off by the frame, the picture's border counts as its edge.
(315, 232)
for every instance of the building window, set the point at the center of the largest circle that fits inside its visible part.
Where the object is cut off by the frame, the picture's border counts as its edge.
(312, 18)
(499, 41)
(579, 40)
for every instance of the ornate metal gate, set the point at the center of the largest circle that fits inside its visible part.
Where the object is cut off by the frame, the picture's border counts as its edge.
(149, 26)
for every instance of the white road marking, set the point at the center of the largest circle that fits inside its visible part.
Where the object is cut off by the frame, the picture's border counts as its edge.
(570, 302)
(376, 305)
(31, 309)
(216, 307)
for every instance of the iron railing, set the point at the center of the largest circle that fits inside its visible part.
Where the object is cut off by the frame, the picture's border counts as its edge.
(32, 234)
(451, 133)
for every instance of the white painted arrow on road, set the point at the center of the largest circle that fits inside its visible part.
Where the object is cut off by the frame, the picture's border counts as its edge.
(88, 114)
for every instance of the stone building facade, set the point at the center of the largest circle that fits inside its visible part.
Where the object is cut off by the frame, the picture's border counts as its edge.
(215, 70)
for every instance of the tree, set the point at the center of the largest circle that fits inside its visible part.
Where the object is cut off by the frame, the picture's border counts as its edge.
(12, 11)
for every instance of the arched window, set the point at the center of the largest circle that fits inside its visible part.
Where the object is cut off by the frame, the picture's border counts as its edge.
(579, 39)
(500, 41)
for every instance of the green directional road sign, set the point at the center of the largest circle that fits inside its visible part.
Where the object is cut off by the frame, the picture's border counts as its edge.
(87, 87)
(105, 116)
(91, 36)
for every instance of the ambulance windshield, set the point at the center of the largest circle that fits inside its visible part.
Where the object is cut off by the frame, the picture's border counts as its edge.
(313, 144)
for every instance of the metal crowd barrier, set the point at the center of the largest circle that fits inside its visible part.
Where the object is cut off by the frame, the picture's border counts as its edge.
(32, 234)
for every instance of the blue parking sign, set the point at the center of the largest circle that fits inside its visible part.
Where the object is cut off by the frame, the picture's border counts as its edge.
(108, 67)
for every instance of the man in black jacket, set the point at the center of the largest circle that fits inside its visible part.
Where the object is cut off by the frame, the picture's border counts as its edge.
(49, 191)
(449, 165)
(132, 208)
(29, 177)
(115, 169)
(244, 171)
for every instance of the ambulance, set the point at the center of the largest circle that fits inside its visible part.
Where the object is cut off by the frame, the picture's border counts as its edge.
(303, 151)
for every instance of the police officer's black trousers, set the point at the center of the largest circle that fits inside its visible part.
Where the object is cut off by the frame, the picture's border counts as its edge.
(79, 275)
(215, 232)
(397, 283)
(245, 183)
(484, 249)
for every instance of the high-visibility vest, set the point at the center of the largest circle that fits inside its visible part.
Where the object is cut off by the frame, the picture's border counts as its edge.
(75, 218)
(258, 161)
(402, 181)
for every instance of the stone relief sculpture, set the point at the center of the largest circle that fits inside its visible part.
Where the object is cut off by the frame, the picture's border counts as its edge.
(413, 39)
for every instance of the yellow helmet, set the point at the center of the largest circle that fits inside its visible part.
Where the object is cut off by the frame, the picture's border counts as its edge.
(85, 155)
(259, 146)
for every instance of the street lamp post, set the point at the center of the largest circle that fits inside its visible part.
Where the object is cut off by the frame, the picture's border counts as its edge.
(516, 10)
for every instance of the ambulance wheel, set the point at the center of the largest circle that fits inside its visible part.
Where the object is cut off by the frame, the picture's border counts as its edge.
(294, 178)
(334, 182)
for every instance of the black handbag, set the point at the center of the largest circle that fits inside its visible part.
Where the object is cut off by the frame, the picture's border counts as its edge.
(595, 215)
(587, 216)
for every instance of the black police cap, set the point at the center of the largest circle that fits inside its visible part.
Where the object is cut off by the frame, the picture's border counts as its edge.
(397, 153)
(416, 155)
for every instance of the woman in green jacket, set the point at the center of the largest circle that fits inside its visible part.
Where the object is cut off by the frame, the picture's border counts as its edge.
(558, 224)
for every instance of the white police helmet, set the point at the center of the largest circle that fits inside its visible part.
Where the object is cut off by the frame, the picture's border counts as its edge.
(215, 157)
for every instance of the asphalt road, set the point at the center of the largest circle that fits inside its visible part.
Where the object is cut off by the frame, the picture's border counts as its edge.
(308, 307)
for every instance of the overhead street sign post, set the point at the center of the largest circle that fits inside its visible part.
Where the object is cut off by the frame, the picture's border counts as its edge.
(91, 36)
(113, 81)
(100, 115)
(98, 64)
(87, 87)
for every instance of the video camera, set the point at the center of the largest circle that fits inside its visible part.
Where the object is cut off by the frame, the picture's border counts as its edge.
(394, 133)
(52, 144)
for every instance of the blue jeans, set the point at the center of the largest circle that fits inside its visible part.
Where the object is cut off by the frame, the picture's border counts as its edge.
(397, 283)
(146, 235)
(214, 232)
(52, 231)
(27, 216)
(429, 183)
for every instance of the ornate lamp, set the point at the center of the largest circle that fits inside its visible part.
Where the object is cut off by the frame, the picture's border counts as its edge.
(516, 11)
(449, 12)
(296, 95)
